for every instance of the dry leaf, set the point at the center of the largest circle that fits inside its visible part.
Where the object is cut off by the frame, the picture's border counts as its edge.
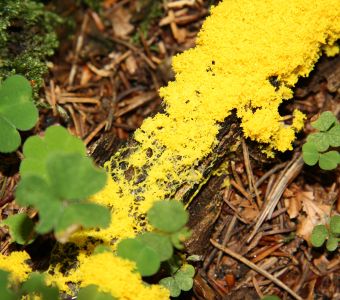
(315, 213)
(131, 64)
(121, 23)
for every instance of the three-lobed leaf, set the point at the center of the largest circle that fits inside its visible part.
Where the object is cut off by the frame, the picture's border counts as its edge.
(37, 150)
(17, 111)
(325, 121)
(171, 284)
(35, 285)
(168, 216)
(60, 196)
(320, 140)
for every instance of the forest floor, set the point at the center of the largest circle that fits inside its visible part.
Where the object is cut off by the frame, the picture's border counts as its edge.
(103, 83)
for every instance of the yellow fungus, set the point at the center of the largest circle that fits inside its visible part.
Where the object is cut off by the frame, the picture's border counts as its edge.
(16, 264)
(249, 55)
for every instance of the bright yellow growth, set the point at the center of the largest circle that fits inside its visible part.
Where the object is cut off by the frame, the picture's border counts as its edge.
(248, 57)
(16, 264)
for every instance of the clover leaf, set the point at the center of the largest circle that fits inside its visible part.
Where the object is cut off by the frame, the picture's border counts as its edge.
(21, 228)
(146, 258)
(160, 243)
(182, 280)
(310, 154)
(334, 224)
(35, 285)
(329, 160)
(334, 136)
(6, 293)
(168, 216)
(61, 197)
(319, 235)
(332, 243)
(325, 121)
(37, 150)
(91, 292)
(320, 140)
(17, 111)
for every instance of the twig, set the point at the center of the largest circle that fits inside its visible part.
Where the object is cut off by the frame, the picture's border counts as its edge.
(273, 198)
(251, 265)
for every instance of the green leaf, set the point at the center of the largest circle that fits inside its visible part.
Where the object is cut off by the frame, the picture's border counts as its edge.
(9, 137)
(184, 282)
(319, 235)
(21, 228)
(320, 140)
(160, 243)
(171, 284)
(270, 297)
(35, 285)
(334, 136)
(334, 224)
(332, 243)
(91, 292)
(179, 237)
(101, 249)
(85, 214)
(34, 190)
(183, 277)
(74, 176)
(37, 150)
(17, 111)
(168, 216)
(49, 214)
(325, 121)
(188, 270)
(329, 160)
(6, 293)
(310, 154)
(147, 259)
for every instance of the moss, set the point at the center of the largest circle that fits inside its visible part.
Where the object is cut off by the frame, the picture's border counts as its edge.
(27, 39)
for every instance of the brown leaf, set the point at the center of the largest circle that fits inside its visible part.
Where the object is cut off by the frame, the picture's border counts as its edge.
(121, 23)
(315, 213)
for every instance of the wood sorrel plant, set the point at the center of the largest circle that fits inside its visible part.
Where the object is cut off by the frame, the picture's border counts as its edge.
(318, 145)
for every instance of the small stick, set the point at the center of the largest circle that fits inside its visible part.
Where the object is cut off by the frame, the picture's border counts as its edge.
(251, 265)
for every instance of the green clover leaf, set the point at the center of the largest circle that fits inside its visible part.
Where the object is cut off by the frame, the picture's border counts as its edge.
(310, 154)
(319, 235)
(334, 224)
(37, 150)
(325, 121)
(332, 243)
(21, 228)
(171, 284)
(91, 292)
(329, 160)
(6, 293)
(160, 243)
(17, 111)
(168, 216)
(179, 237)
(334, 136)
(61, 198)
(35, 285)
(320, 140)
(271, 297)
(146, 258)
